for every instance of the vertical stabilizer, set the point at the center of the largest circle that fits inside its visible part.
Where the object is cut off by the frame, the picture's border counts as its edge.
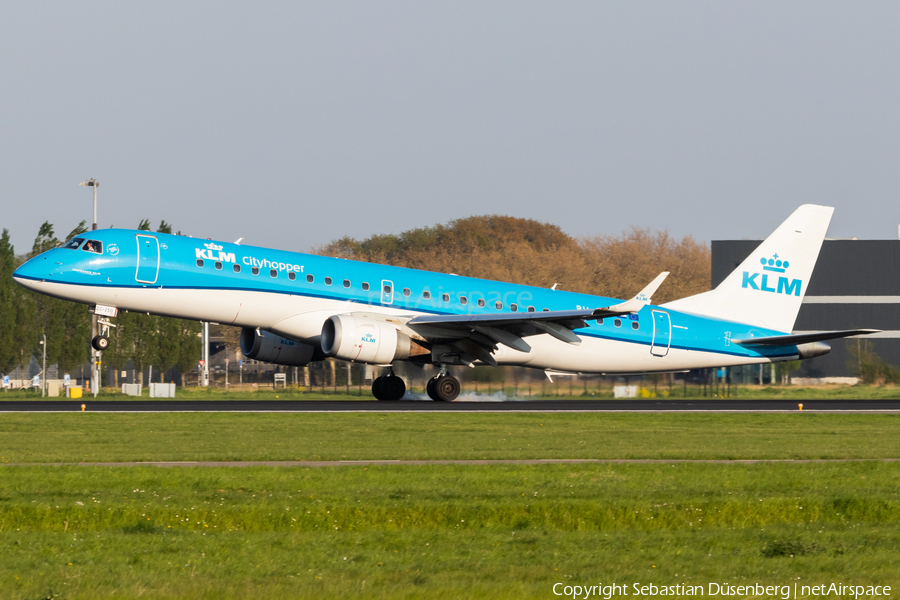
(767, 289)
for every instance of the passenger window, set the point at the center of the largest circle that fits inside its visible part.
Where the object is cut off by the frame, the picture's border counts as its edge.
(93, 246)
(481, 302)
(310, 278)
(406, 292)
(292, 276)
(328, 281)
(73, 245)
(530, 309)
(365, 286)
(599, 321)
(514, 307)
(446, 297)
(463, 300)
(617, 322)
(273, 273)
(546, 310)
(498, 305)
(387, 289)
(218, 266)
(255, 270)
(634, 325)
(426, 294)
(199, 262)
(237, 268)
(346, 283)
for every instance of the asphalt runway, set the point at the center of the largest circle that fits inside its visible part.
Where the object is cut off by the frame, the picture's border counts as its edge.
(713, 405)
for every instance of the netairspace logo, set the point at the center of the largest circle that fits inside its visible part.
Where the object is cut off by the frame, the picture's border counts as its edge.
(790, 287)
(784, 592)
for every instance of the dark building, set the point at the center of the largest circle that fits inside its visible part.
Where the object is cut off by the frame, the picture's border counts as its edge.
(855, 285)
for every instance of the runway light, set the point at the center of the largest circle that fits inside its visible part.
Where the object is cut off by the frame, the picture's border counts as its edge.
(82, 407)
(801, 406)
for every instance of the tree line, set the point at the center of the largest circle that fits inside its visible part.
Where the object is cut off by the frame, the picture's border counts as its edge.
(540, 254)
(145, 340)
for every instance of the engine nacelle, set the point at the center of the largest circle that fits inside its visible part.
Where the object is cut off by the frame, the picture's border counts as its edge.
(811, 349)
(359, 339)
(271, 348)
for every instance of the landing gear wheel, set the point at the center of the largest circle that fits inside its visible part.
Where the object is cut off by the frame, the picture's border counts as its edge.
(100, 342)
(388, 387)
(376, 388)
(446, 388)
(392, 388)
(429, 389)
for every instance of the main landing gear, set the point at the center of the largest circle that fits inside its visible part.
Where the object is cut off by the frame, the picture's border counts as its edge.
(388, 387)
(441, 388)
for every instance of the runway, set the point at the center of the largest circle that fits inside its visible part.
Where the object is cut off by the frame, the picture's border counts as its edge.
(713, 405)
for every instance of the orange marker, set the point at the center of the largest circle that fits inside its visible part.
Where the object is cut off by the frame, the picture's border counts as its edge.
(82, 407)
(801, 406)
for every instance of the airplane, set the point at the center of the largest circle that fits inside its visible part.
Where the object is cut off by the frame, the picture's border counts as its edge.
(297, 308)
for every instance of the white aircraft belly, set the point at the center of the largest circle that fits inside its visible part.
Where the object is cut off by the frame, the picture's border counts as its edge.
(597, 355)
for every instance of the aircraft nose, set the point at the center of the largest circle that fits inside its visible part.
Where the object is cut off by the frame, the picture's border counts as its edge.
(33, 271)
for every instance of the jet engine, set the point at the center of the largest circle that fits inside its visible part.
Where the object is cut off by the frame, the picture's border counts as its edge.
(364, 340)
(268, 347)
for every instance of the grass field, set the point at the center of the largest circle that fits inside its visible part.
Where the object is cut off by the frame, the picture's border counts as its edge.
(449, 531)
(90, 437)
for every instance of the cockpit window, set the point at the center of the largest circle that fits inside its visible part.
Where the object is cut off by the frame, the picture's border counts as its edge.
(74, 243)
(93, 246)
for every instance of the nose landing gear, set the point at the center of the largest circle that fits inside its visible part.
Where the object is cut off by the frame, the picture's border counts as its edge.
(101, 342)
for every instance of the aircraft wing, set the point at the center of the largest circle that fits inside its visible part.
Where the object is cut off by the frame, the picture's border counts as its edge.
(510, 328)
(802, 338)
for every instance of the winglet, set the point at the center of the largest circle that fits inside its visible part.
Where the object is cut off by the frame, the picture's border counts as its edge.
(642, 299)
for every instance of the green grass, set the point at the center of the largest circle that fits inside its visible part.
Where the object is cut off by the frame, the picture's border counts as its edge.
(440, 531)
(447, 531)
(100, 437)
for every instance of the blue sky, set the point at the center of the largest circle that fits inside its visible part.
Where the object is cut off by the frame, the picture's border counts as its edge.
(294, 123)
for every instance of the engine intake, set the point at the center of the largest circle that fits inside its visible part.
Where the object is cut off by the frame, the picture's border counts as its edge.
(268, 347)
(359, 339)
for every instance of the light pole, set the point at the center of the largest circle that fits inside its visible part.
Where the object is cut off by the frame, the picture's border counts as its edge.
(204, 372)
(95, 354)
(44, 370)
(94, 184)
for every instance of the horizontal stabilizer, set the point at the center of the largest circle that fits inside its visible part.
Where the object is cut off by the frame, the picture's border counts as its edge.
(802, 338)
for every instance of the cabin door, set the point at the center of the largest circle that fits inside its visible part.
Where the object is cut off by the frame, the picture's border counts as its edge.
(662, 333)
(147, 259)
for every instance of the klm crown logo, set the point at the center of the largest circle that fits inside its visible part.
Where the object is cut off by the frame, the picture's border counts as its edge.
(774, 264)
(791, 287)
